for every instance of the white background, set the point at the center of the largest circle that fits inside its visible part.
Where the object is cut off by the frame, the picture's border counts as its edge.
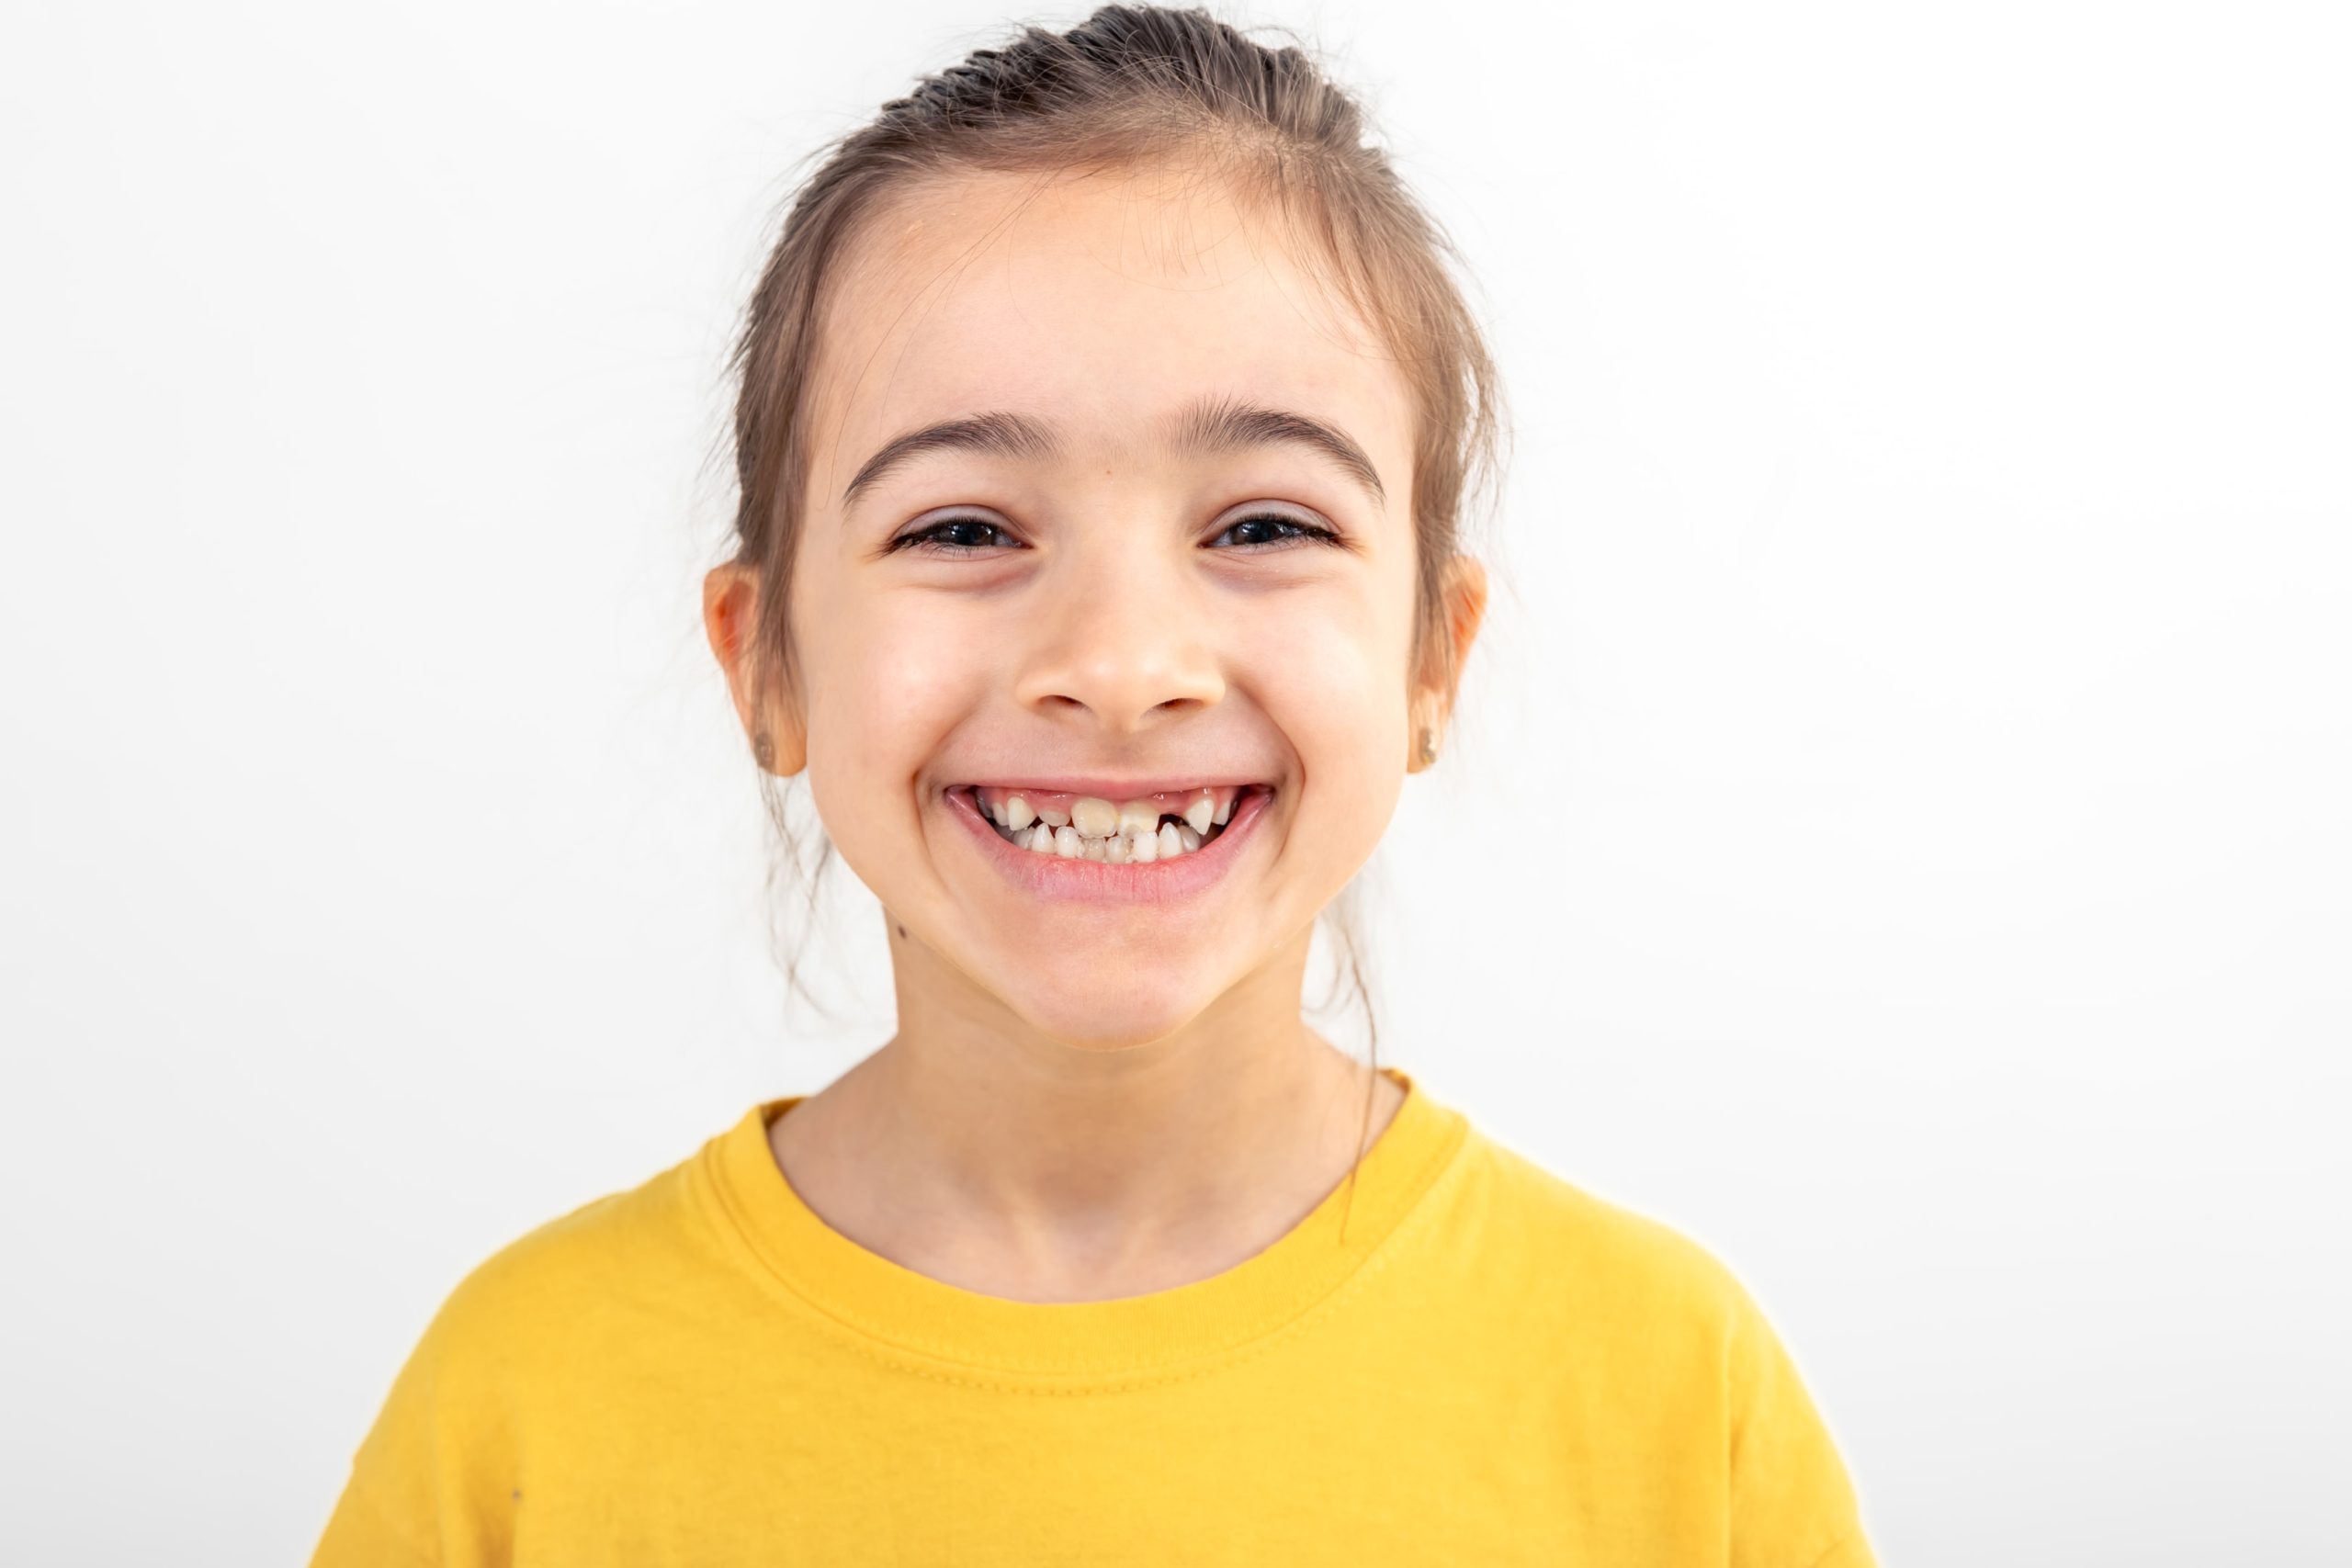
(1897, 832)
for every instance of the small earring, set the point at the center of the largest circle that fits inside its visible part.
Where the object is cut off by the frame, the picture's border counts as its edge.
(763, 749)
(1428, 747)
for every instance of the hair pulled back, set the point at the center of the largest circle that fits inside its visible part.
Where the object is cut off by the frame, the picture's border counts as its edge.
(1130, 87)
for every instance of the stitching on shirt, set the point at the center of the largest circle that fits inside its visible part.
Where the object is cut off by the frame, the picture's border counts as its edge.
(893, 1352)
(1434, 1173)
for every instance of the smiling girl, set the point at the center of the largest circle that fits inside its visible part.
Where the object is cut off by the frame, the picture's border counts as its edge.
(1105, 415)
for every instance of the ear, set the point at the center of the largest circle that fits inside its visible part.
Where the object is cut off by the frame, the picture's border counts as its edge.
(1463, 595)
(731, 599)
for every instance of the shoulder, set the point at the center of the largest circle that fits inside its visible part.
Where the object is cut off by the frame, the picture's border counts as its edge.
(562, 1288)
(525, 1318)
(1662, 1328)
(498, 1361)
(1609, 1286)
(607, 1248)
(1606, 1254)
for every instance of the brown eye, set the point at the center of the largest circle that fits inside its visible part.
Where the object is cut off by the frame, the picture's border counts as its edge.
(1274, 528)
(953, 536)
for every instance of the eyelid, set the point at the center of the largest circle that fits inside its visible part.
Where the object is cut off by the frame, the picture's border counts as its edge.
(914, 536)
(1311, 529)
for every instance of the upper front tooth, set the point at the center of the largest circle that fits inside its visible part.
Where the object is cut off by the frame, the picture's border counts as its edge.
(1200, 813)
(1053, 818)
(1093, 817)
(1139, 816)
(1017, 814)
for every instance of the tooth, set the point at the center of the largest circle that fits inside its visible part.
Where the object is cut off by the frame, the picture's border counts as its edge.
(1200, 813)
(1093, 817)
(1172, 843)
(1118, 849)
(1095, 849)
(1142, 848)
(1067, 844)
(1191, 839)
(1224, 810)
(1053, 818)
(1139, 816)
(1041, 839)
(1017, 814)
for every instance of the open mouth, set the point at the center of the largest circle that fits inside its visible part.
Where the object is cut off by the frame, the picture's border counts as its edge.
(1164, 826)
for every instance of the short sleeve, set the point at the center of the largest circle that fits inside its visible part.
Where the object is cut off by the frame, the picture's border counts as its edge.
(1793, 1502)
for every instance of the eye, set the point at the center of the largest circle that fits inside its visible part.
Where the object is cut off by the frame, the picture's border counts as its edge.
(1276, 529)
(952, 536)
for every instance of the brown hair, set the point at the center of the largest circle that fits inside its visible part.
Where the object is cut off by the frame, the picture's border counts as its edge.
(1131, 87)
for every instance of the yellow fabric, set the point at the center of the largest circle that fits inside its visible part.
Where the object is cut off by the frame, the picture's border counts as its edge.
(1487, 1366)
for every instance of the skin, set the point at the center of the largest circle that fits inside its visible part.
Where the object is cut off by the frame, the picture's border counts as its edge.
(1087, 1101)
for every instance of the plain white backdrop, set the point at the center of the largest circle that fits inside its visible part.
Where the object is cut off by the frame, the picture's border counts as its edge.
(1896, 833)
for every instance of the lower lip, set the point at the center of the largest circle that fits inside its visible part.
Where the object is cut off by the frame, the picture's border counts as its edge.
(1100, 882)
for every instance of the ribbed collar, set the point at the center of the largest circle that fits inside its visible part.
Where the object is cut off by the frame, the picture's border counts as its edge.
(1082, 1341)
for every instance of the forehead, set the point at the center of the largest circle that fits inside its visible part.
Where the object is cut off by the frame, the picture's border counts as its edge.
(1102, 304)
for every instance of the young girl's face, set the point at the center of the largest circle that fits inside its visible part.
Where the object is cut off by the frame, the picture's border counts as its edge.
(1070, 602)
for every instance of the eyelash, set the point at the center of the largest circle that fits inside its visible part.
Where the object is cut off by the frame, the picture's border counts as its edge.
(921, 539)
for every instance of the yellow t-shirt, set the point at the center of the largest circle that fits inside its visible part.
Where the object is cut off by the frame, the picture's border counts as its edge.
(1489, 1366)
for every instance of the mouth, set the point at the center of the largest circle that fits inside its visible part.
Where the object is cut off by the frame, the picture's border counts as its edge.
(1133, 830)
(1151, 845)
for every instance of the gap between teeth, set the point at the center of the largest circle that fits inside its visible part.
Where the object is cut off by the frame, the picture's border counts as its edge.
(1097, 830)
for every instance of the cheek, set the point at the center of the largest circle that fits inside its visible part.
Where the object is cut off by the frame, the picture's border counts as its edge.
(884, 688)
(1333, 683)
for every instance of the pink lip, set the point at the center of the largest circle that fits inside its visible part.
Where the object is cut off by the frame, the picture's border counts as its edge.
(1114, 791)
(1100, 882)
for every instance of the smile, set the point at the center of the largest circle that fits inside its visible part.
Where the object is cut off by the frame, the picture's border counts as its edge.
(1137, 831)
(1150, 844)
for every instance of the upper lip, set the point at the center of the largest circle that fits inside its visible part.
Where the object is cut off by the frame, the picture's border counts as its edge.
(1116, 789)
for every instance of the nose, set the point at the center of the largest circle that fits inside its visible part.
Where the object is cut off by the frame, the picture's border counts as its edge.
(1123, 637)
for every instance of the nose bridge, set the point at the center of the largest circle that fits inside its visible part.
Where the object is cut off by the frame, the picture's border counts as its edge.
(1123, 632)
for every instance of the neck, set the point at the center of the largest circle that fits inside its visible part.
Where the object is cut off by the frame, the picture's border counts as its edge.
(977, 1151)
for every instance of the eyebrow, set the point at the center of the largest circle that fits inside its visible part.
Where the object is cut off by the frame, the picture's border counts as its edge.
(1209, 425)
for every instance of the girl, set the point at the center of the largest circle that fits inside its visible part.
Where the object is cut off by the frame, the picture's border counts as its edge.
(1105, 415)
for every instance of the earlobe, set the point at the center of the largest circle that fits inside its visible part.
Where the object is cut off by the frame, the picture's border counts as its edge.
(729, 600)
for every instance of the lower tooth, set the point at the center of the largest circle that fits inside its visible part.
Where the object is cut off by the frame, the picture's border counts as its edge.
(1043, 838)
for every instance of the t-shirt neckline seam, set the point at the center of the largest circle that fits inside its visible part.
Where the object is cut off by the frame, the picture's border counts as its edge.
(1416, 1198)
